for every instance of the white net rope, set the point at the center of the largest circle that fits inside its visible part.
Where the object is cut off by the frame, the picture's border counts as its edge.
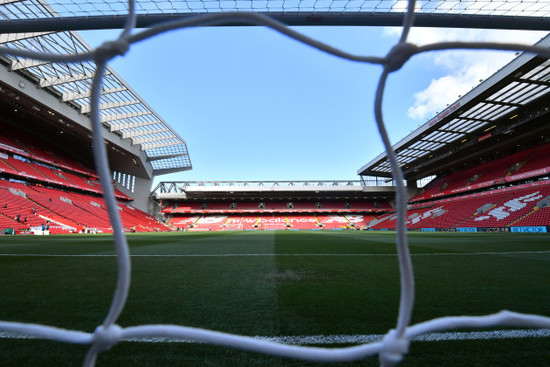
(395, 343)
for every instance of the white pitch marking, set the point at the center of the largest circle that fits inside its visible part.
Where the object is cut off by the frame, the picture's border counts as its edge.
(251, 255)
(351, 339)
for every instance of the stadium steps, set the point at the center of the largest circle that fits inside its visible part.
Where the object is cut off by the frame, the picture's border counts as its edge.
(51, 215)
(349, 221)
(7, 163)
(318, 222)
(7, 222)
(37, 171)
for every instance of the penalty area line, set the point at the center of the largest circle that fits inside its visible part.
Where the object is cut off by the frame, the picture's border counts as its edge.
(350, 339)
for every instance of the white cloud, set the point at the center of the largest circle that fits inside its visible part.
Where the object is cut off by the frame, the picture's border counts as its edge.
(464, 69)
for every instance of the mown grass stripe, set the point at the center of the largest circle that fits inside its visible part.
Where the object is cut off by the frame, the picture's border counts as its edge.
(289, 255)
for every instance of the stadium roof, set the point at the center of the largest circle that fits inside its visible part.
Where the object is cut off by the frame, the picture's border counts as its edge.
(123, 111)
(84, 14)
(498, 107)
(271, 190)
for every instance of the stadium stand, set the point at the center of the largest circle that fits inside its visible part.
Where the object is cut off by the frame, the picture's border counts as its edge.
(26, 207)
(512, 206)
(527, 163)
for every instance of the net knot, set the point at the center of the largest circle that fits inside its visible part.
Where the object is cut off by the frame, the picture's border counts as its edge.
(105, 338)
(399, 55)
(110, 49)
(393, 349)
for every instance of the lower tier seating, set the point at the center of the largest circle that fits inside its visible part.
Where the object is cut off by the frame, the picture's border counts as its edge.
(26, 208)
(526, 205)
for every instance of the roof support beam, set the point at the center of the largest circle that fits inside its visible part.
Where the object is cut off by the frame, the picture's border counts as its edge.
(105, 106)
(26, 63)
(133, 133)
(145, 139)
(78, 95)
(50, 82)
(160, 144)
(164, 171)
(123, 116)
(4, 2)
(166, 156)
(12, 37)
(130, 125)
(502, 103)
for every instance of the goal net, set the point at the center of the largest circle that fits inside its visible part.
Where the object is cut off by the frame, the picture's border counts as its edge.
(33, 18)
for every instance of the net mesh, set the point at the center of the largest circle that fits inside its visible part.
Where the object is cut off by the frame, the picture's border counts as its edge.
(75, 8)
(394, 346)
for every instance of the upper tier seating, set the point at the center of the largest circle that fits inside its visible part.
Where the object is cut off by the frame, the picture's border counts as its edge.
(36, 148)
(247, 205)
(304, 205)
(539, 159)
(275, 205)
(487, 174)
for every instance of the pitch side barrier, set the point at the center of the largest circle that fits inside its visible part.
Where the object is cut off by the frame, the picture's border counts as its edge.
(529, 229)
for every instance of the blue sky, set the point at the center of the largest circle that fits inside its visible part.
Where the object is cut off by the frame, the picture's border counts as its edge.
(255, 105)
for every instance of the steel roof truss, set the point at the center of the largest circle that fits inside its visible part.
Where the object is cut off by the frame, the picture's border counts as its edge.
(130, 125)
(498, 112)
(544, 81)
(503, 103)
(123, 116)
(150, 139)
(538, 72)
(135, 132)
(19, 64)
(79, 95)
(105, 106)
(471, 125)
(473, 110)
(160, 144)
(12, 37)
(526, 90)
(479, 111)
(462, 125)
(5, 2)
(489, 111)
(499, 95)
(533, 94)
(516, 91)
(62, 79)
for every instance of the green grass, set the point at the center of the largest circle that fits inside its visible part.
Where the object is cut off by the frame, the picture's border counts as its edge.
(267, 295)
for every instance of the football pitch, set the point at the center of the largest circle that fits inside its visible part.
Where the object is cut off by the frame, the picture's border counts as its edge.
(328, 289)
